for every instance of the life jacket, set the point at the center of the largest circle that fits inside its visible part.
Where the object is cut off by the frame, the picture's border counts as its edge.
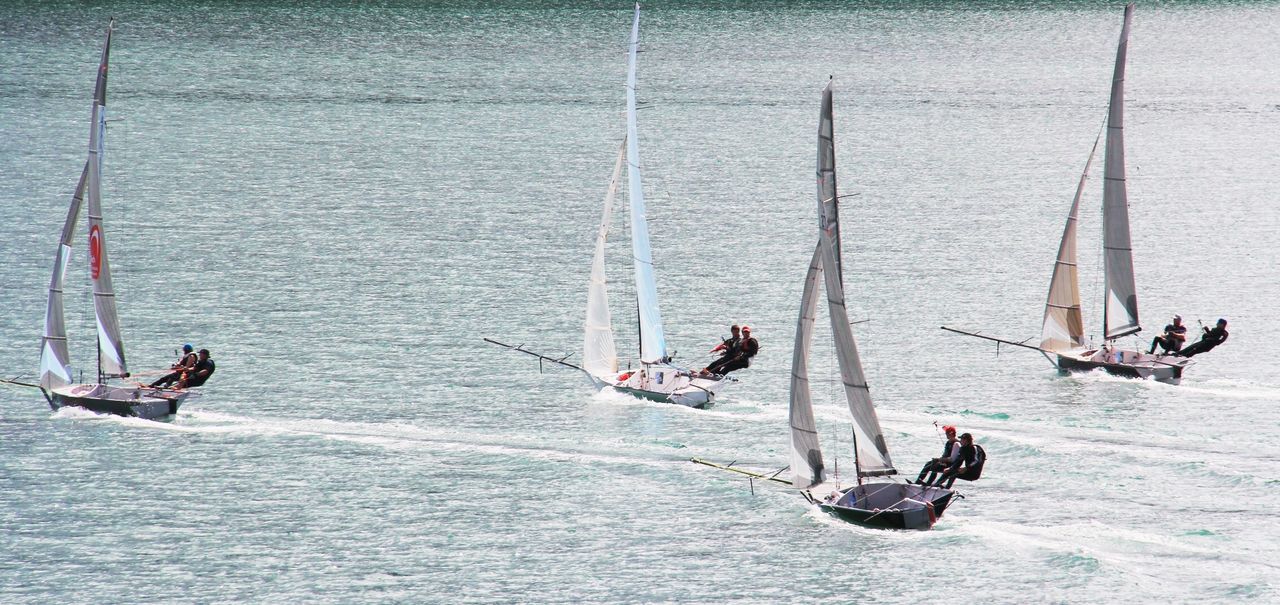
(979, 459)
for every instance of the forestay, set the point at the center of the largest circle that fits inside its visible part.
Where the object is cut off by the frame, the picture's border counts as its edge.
(653, 344)
(599, 354)
(1063, 327)
(1120, 315)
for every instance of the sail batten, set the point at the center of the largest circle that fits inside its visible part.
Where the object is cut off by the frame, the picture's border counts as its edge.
(599, 353)
(1120, 306)
(653, 344)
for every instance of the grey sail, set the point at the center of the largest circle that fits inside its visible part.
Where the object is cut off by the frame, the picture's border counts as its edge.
(55, 358)
(110, 346)
(1063, 327)
(829, 210)
(1120, 314)
(872, 453)
(807, 467)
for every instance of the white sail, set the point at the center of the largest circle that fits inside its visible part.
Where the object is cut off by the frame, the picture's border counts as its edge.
(653, 343)
(1063, 327)
(828, 197)
(1120, 315)
(807, 467)
(599, 354)
(55, 358)
(872, 453)
(110, 347)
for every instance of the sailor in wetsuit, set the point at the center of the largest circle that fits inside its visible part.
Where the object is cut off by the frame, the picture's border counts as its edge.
(201, 372)
(1175, 334)
(1210, 339)
(739, 359)
(950, 451)
(729, 348)
(184, 363)
(967, 466)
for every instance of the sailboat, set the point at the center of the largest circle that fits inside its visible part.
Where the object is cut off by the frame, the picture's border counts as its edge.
(56, 381)
(1062, 339)
(884, 504)
(657, 378)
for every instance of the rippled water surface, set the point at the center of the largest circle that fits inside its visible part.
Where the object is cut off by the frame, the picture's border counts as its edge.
(340, 201)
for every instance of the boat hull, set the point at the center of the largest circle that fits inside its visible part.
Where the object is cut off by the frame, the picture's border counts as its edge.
(1127, 363)
(889, 505)
(677, 385)
(119, 401)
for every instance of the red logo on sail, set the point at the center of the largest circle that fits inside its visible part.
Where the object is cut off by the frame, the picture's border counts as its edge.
(95, 251)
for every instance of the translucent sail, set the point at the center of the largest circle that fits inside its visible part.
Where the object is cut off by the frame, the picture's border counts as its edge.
(872, 451)
(1120, 315)
(599, 355)
(807, 468)
(110, 347)
(55, 359)
(1063, 327)
(829, 210)
(653, 344)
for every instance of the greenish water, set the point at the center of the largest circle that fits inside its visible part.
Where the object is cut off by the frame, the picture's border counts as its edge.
(340, 200)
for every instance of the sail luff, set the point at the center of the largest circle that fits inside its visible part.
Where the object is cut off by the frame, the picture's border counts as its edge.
(1063, 327)
(807, 467)
(110, 346)
(1120, 306)
(55, 357)
(599, 353)
(653, 344)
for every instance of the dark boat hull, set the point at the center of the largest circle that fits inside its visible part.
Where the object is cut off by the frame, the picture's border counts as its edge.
(886, 505)
(1134, 364)
(101, 399)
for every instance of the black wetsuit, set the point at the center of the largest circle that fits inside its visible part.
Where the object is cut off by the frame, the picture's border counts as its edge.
(188, 361)
(742, 359)
(972, 458)
(198, 377)
(933, 467)
(1168, 341)
(1212, 337)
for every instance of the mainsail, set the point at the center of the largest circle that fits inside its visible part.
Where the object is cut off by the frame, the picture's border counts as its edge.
(871, 450)
(653, 344)
(1120, 315)
(1063, 327)
(110, 347)
(599, 355)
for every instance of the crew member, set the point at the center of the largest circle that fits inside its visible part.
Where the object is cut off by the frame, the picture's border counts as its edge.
(184, 363)
(950, 451)
(1175, 335)
(1211, 338)
(741, 359)
(200, 373)
(967, 466)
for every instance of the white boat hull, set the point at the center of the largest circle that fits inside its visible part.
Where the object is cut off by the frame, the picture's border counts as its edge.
(665, 383)
(141, 402)
(1126, 362)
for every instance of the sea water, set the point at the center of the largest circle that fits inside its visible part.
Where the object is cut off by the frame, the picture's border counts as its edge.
(340, 200)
